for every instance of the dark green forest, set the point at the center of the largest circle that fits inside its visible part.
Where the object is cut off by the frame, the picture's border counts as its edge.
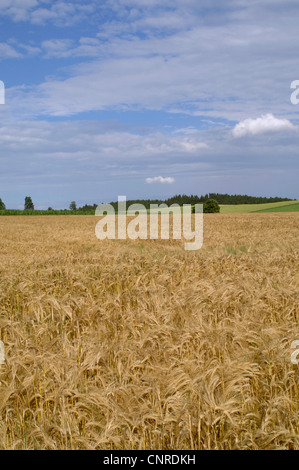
(193, 199)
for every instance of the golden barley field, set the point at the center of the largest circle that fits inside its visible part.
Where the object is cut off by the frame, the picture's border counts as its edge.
(143, 345)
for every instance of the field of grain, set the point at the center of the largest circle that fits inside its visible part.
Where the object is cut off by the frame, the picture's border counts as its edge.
(142, 345)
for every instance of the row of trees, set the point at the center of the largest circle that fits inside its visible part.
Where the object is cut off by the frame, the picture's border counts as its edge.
(180, 199)
(241, 199)
(29, 206)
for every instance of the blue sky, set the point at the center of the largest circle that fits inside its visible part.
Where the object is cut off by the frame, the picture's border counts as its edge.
(147, 99)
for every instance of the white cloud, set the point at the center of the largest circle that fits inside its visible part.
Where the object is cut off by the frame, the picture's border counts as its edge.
(104, 141)
(175, 73)
(174, 68)
(18, 10)
(57, 47)
(95, 161)
(41, 15)
(160, 179)
(61, 13)
(230, 60)
(8, 52)
(62, 48)
(265, 123)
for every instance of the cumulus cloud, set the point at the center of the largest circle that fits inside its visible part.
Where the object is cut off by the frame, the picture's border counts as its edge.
(160, 179)
(265, 123)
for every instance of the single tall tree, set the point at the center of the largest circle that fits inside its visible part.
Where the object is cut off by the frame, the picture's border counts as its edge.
(73, 206)
(2, 205)
(29, 206)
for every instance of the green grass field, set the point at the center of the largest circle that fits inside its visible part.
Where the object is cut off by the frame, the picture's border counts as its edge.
(286, 208)
(13, 212)
(290, 206)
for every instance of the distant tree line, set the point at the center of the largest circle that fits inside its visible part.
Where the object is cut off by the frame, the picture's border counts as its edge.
(88, 208)
(244, 199)
(179, 199)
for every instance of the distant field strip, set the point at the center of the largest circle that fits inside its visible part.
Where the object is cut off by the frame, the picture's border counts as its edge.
(268, 207)
(286, 208)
